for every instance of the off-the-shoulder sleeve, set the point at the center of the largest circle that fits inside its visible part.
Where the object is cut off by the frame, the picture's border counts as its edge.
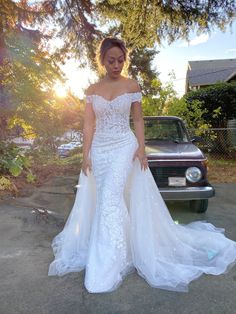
(89, 99)
(136, 97)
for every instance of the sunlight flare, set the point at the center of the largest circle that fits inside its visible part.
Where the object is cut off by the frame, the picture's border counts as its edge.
(60, 90)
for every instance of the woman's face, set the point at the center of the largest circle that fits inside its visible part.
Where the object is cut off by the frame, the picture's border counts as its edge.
(114, 61)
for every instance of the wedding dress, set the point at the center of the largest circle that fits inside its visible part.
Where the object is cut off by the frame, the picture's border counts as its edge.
(119, 221)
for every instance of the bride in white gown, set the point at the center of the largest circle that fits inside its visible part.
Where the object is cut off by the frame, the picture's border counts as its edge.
(119, 221)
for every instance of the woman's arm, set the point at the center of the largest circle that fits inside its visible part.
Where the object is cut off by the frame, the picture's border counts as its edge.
(88, 131)
(136, 111)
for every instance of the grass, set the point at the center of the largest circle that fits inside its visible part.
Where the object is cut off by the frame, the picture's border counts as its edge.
(222, 170)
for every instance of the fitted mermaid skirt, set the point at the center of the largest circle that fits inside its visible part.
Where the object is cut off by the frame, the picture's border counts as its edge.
(119, 222)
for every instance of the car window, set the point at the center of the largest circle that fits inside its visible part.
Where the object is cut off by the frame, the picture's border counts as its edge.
(165, 130)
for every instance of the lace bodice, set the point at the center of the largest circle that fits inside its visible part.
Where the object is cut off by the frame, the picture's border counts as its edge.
(112, 116)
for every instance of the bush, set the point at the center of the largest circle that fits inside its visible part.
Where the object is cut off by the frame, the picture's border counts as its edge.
(13, 161)
(218, 99)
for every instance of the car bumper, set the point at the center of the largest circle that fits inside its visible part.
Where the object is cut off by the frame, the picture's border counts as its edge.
(187, 193)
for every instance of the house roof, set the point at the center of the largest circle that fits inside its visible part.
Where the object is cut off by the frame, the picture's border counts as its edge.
(207, 72)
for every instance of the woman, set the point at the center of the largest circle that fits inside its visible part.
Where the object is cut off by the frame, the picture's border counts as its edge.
(119, 222)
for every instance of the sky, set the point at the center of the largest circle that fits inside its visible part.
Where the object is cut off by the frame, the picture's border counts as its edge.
(174, 57)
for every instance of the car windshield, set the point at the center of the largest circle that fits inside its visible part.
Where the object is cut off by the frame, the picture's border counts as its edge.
(165, 130)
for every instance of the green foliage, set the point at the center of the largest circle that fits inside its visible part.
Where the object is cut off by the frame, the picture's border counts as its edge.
(207, 108)
(28, 73)
(141, 70)
(153, 105)
(30, 177)
(145, 22)
(29, 76)
(14, 14)
(193, 116)
(82, 23)
(76, 23)
(166, 102)
(13, 161)
(141, 23)
(219, 101)
(5, 183)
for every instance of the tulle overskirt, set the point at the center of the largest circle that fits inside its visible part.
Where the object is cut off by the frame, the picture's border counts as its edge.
(166, 254)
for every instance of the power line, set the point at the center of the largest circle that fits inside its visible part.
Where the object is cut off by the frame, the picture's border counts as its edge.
(212, 72)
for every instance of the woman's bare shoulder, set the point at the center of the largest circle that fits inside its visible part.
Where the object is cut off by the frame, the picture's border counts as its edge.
(91, 90)
(133, 86)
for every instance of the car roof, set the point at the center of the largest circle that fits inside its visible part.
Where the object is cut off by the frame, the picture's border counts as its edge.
(148, 118)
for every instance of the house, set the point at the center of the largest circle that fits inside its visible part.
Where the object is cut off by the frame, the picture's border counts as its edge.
(203, 73)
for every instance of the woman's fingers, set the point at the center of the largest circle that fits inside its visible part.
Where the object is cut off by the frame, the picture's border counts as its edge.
(142, 159)
(144, 163)
(86, 166)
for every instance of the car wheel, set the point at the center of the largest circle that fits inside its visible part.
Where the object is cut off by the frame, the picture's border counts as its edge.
(199, 206)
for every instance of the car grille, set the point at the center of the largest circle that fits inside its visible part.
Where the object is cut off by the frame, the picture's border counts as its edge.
(161, 174)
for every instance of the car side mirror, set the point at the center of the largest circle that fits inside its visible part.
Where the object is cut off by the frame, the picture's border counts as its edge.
(197, 139)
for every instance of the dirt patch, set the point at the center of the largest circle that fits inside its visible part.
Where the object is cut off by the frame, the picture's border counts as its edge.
(222, 172)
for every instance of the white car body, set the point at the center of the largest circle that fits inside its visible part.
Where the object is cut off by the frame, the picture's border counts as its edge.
(64, 149)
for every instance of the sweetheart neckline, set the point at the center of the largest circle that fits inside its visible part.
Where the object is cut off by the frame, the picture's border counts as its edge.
(126, 93)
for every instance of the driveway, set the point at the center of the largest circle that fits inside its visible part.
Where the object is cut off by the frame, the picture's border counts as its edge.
(25, 254)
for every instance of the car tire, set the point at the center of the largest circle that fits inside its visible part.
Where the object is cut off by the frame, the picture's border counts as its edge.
(199, 206)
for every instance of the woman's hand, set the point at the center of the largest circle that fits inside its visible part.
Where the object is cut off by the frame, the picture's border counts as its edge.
(140, 154)
(86, 166)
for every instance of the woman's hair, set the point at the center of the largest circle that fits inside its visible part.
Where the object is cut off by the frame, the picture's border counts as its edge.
(108, 43)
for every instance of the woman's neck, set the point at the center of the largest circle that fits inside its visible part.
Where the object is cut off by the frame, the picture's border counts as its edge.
(112, 79)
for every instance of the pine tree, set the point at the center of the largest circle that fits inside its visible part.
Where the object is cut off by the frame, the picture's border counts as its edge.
(141, 23)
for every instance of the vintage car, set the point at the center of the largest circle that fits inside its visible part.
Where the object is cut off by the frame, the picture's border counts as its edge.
(65, 149)
(178, 166)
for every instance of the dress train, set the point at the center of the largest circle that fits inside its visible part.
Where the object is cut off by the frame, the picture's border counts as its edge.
(166, 254)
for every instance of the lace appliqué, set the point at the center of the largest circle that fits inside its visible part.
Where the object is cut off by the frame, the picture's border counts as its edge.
(136, 97)
(112, 116)
(112, 151)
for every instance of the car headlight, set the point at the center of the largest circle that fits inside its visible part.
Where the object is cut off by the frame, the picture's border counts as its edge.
(193, 174)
